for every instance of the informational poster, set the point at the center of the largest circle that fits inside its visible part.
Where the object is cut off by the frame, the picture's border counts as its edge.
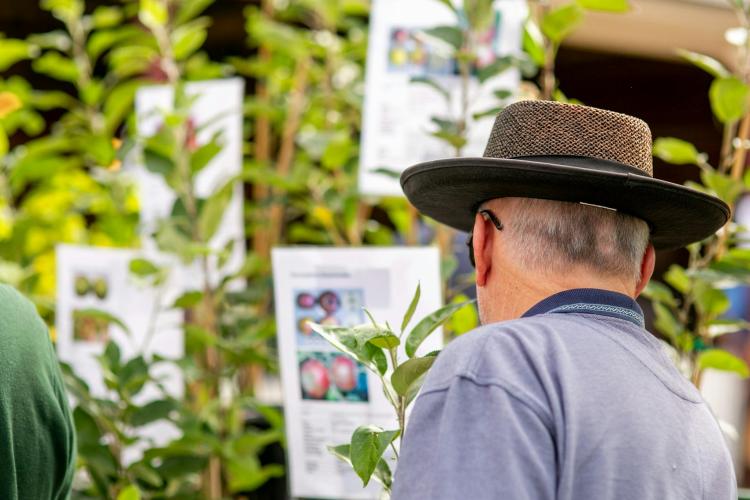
(327, 394)
(398, 112)
(217, 109)
(91, 280)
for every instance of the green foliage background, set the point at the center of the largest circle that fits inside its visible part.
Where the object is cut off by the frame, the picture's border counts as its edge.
(61, 181)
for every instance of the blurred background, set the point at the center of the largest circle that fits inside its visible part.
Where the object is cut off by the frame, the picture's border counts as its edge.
(154, 152)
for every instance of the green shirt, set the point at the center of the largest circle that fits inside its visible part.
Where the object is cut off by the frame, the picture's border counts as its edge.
(37, 438)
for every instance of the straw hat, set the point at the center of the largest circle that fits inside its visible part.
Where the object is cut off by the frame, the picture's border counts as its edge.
(565, 152)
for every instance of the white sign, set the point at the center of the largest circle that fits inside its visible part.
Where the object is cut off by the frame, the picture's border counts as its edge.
(217, 109)
(99, 279)
(397, 112)
(327, 394)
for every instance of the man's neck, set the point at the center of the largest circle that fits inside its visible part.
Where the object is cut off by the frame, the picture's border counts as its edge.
(520, 293)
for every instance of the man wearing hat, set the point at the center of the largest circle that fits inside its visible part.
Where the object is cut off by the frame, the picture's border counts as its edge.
(562, 394)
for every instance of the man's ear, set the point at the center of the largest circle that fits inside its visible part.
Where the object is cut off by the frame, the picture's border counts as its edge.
(647, 268)
(482, 242)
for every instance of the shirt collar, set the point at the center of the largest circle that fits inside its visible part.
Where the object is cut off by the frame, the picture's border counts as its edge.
(590, 301)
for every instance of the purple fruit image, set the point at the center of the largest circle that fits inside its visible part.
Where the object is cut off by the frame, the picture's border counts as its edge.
(330, 302)
(305, 300)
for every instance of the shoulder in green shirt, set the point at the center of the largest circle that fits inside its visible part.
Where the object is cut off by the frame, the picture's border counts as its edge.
(37, 438)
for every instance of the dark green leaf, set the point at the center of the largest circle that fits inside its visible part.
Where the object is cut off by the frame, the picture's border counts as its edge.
(151, 412)
(427, 325)
(412, 307)
(495, 68)
(212, 212)
(409, 372)
(451, 35)
(387, 341)
(366, 449)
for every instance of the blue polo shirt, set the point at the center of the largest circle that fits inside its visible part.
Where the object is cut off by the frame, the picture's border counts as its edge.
(573, 401)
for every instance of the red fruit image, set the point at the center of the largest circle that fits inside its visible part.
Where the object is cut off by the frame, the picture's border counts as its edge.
(344, 373)
(314, 379)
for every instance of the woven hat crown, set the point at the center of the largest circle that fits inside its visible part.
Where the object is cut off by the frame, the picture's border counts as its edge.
(547, 128)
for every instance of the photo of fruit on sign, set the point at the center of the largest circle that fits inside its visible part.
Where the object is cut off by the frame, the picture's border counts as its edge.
(334, 307)
(331, 376)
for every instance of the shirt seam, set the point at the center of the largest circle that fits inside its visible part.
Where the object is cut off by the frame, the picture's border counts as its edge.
(512, 391)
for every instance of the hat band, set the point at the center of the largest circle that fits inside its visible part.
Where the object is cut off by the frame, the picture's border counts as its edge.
(587, 162)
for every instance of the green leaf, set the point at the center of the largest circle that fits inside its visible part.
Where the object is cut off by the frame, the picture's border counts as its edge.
(427, 325)
(676, 151)
(189, 9)
(188, 299)
(665, 322)
(706, 63)
(56, 66)
(106, 17)
(495, 68)
(212, 212)
(533, 42)
(719, 359)
(660, 293)
(188, 38)
(204, 154)
(479, 14)
(153, 411)
(410, 372)
(102, 315)
(466, 318)
(605, 5)
(677, 278)
(142, 267)
(412, 307)
(366, 449)
(13, 51)
(560, 22)
(728, 97)
(354, 341)
(719, 327)
(451, 35)
(387, 341)
(153, 13)
(710, 301)
(724, 186)
(432, 83)
(129, 493)
(455, 140)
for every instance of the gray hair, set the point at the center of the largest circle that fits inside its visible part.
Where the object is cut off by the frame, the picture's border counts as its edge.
(553, 235)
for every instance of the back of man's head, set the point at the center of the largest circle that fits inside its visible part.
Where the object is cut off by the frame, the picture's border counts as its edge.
(554, 236)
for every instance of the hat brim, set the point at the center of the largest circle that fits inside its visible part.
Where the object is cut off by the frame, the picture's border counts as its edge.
(451, 190)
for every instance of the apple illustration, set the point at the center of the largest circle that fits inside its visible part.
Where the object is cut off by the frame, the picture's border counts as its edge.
(314, 378)
(344, 373)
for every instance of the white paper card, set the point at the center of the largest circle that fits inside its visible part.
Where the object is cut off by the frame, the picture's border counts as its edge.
(217, 109)
(397, 112)
(100, 279)
(326, 394)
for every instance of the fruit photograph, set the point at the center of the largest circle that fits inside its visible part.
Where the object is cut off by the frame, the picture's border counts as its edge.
(331, 376)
